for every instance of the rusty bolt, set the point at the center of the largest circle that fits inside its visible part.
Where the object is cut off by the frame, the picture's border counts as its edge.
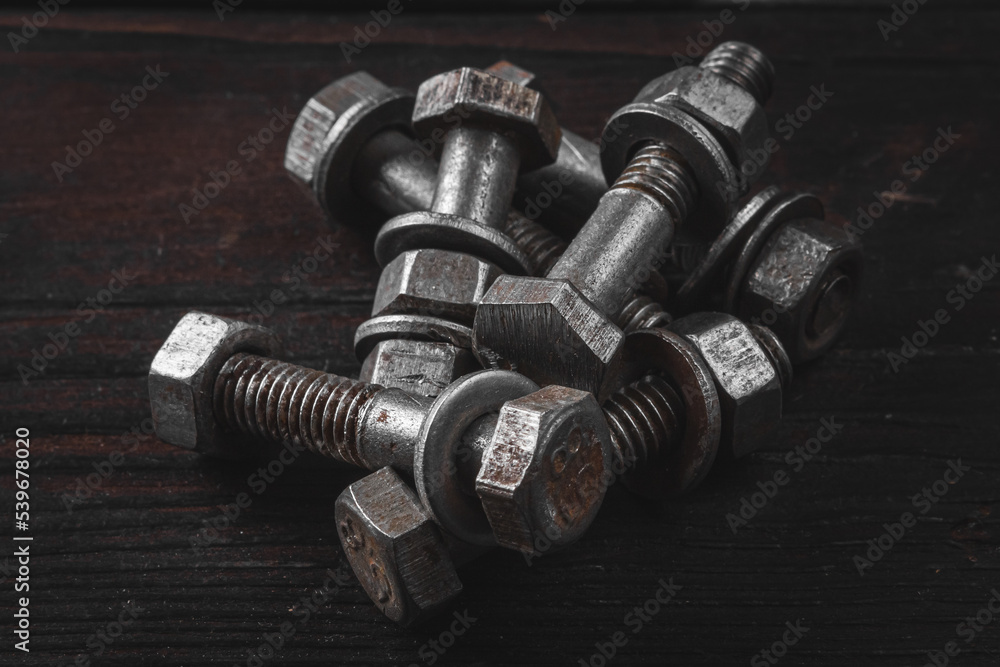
(373, 426)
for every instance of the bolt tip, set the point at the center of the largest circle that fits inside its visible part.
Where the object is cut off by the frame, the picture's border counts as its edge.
(745, 65)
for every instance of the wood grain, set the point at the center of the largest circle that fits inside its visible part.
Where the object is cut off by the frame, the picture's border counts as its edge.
(128, 537)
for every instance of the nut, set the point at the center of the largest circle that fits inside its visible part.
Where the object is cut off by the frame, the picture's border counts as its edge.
(417, 367)
(541, 475)
(560, 337)
(395, 548)
(473, 96)
(332, 128)
(730, 110)
(439, 283)
(803, 286)
(748, 384)
(182, 378)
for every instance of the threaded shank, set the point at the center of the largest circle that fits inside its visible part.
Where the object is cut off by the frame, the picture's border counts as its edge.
(541, 246)
(281, 402)
(744, 65)
(661, 174)
(641, 312)
(645, 419)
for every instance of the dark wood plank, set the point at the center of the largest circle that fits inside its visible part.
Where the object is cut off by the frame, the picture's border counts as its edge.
(128, 537)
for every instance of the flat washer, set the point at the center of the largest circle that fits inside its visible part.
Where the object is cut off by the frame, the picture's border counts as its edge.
(434, 467)
(685, 466)
(441, 231)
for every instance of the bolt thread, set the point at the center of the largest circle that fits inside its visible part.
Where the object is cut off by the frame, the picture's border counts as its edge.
(542, 247)
(645, 418)
(775, 353)
(744, 65)
(281, 402)
(688, 257)
(642, 312)
(663, 175)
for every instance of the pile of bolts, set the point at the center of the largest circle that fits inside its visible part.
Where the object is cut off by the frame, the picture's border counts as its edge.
(520, 357)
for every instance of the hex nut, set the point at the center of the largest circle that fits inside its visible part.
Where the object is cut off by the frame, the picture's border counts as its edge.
(182, 379)
(542, 477)
(421, 368)
(728, 109)
(439, 283)
(547, 330)
(395, 548)
(474, 96)
(803, 286)
(332, 128)
(748, 384)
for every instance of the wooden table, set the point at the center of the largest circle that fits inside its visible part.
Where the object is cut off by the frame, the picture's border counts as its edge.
(112, 515)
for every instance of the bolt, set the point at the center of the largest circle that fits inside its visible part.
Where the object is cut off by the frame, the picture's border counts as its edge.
(440, 262)
(372, 426)
(491, 128)
(407, 565)
(352, 146)
(778, 262)
(674, 169)
(665, 431)
(208, 377)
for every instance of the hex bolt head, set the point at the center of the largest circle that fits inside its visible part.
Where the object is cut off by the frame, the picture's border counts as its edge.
(395, 548)
(471, 96)
(541, 476)
(748, 384)
(418, 367)
(803, 285)
(332, 130)
(560, 336)
(439, 283)
(182, 378)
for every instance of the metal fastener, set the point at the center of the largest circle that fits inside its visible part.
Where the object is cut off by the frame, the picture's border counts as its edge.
(534, 456)
(676, 164)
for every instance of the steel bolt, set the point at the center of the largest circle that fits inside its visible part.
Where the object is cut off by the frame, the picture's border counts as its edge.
(779, 263)
(676, 166)
(666, 428)
(508, 428)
